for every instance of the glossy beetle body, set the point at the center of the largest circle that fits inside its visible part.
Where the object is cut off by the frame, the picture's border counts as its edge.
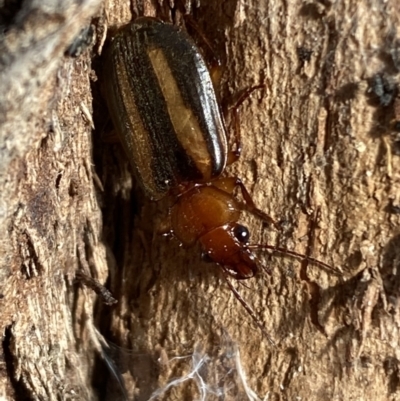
(164, 108)
(163, 104)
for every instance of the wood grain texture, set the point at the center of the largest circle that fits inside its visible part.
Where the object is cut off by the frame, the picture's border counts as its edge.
(48, 206)
(319, 156)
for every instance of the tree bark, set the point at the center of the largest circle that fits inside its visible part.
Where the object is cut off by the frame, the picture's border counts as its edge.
(320, 155)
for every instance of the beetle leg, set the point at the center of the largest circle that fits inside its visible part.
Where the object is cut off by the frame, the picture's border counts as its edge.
(110, 138)
(234, 154)
(250, 206)
(96, 286)
(214, 63)
(229, 184)
(164, 227)
(246, 306)
(108, 133)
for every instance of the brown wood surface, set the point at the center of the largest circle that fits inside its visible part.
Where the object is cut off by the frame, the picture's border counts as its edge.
(320, 156)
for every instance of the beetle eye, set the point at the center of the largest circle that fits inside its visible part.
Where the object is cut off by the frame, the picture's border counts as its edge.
(241, 233)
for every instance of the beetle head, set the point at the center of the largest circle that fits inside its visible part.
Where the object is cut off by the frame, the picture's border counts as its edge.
(227, 246)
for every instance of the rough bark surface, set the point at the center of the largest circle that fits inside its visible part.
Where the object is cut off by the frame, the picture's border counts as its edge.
(321, 156)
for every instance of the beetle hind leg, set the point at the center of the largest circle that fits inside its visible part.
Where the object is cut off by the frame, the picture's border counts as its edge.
(235, 153)
(213, 62)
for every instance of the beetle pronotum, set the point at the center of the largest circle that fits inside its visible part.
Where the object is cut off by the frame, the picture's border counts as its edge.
(163, 105)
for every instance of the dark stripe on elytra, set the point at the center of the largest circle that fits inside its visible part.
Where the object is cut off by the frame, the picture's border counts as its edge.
(125, 121)
(120, 112)
(139, 81)
(118, 109)
(174, 164)
(185, 63)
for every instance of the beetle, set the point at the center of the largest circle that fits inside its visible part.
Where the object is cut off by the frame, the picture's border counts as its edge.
(164, 108)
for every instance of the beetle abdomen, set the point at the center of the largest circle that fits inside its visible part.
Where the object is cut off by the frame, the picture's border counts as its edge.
(164, 107)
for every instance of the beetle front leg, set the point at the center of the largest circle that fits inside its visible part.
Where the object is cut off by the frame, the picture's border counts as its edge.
(229, 184)
(246, 306)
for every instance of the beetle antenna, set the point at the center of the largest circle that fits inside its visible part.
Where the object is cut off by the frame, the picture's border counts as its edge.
(244, 284)
(292, 253)
(247, 307)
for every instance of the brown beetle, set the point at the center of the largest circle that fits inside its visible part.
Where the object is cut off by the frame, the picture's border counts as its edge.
(163, 105)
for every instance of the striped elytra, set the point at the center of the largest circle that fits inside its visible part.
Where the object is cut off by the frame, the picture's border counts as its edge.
(163, 105)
